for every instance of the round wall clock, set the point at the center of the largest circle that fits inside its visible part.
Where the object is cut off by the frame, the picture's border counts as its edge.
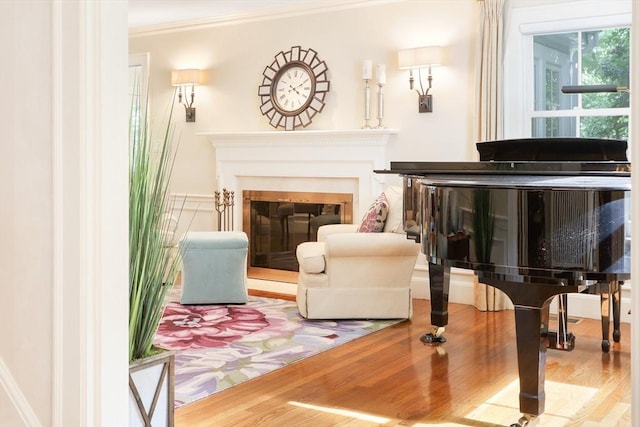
(293, 88)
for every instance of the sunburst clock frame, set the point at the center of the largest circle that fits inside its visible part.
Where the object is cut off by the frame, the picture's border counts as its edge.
(294, 88)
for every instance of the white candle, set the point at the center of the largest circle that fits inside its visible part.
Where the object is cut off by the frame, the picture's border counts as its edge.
(382, 74)
(367, 69)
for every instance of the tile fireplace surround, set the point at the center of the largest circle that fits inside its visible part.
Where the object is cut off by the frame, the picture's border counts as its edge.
(330, 161)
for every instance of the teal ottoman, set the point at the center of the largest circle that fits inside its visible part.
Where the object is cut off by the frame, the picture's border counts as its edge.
(214, 267)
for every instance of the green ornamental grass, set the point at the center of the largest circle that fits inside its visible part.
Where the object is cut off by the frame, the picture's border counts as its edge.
(153, 263)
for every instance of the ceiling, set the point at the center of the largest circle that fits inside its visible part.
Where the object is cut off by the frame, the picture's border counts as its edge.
(166, 13)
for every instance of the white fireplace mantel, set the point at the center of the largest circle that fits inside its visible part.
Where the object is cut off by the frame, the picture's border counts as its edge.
(339, 161)
(369, 136)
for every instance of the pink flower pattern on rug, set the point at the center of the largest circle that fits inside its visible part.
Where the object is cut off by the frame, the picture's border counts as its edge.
(193, 327)
(219, 346)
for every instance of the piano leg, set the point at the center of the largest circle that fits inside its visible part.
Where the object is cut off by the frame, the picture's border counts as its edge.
(531, 307)
(561, 339)
(531, 326)
(439, 280)
(605, 305)
(616, 294)
(610, 300)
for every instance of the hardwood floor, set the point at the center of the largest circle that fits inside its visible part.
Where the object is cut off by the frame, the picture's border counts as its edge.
(390, 378)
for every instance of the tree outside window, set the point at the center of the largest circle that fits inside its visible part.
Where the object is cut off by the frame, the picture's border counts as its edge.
(594, 57)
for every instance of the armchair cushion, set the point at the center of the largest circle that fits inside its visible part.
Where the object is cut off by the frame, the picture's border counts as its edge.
(393, 224)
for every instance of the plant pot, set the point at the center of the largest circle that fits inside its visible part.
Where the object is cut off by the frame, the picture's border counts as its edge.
(151, 390)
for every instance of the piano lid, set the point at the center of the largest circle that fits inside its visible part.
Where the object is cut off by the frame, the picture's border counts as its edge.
(554, 149)
(569, 168)
(533, 156)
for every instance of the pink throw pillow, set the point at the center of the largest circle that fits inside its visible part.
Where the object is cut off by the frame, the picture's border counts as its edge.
(375, 217)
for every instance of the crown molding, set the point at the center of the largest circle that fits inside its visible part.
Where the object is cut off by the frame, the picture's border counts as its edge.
(255, 16)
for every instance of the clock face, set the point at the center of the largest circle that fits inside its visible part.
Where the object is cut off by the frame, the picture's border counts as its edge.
(293, 89)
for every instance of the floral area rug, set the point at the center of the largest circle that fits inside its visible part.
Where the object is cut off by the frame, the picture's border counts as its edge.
(219, 346)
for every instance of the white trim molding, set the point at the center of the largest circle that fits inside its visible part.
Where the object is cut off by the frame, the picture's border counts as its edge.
(635, 199)
(90, 221)
(192, 202)
(252, 15)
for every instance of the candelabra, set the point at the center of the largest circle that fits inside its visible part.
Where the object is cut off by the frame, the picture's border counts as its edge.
(367, 73)
(380, 106)
(367, 104)
(224, 207)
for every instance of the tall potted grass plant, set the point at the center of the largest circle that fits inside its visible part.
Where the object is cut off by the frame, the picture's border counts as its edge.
(153, 269)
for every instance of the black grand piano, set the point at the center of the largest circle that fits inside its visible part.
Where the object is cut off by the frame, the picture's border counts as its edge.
(528, 222)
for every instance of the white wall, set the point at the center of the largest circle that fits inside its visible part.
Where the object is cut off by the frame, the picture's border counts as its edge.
(63, 214)
(25, 268)
(236, 55)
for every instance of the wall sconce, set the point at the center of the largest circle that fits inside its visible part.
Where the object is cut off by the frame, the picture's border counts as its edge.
(417, 59)
(182, 79)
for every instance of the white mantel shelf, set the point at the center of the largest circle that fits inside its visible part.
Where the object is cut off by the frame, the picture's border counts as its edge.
(323, 137)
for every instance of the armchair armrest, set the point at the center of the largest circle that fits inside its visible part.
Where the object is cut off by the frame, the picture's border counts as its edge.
(330, 229)
(369, 245)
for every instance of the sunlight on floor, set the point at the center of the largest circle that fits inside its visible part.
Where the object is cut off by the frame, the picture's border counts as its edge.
(344, 412)
(563, 402)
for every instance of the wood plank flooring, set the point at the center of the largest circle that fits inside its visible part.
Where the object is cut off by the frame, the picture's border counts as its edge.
(390, 378)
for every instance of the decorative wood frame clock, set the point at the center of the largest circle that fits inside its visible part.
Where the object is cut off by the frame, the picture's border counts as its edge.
(293, 88)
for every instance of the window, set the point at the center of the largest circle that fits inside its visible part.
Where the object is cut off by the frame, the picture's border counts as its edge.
(551, 45)
(594, 57)
(138, 83)
(567, 43)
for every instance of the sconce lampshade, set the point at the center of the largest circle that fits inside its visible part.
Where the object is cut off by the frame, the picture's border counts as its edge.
(420, 57)
(185, 77)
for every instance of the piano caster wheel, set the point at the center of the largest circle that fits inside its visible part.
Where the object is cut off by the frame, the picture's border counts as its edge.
(605, 346)
(525, 420)
(434, 337)
(616, 336)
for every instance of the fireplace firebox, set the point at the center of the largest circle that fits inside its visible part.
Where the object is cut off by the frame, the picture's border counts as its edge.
(276, 222)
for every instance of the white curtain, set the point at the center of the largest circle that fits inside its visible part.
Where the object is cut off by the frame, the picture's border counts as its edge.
(488, 114)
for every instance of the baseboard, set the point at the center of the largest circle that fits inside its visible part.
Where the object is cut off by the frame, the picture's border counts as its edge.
(460, 287)
(461, 292)
(269, 294)
(272, 287)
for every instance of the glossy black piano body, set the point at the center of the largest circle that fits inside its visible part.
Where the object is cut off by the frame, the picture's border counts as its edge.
(564, 149)
(532, 229)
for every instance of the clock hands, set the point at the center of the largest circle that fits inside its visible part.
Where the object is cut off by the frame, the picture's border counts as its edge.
(295, 89)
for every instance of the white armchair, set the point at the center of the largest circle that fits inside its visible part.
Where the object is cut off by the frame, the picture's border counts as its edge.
(351, 275)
